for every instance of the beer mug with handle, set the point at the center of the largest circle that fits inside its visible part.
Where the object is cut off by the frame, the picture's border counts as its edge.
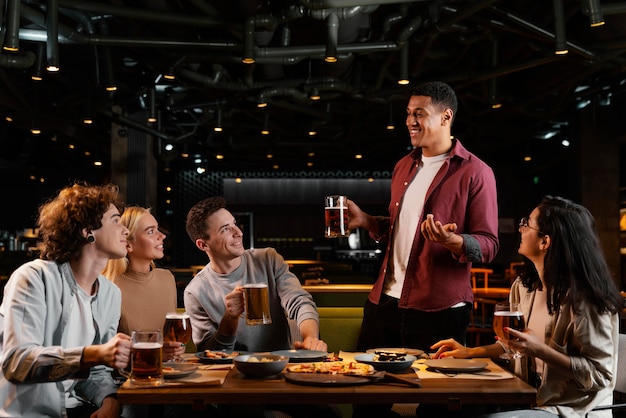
(146, 361)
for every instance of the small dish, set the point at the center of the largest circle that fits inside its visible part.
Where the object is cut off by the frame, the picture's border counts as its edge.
(401, 350)
(220, 357)
(176, 370)
(301, 356)
(456, 365)
(260, 365)
(387, 366)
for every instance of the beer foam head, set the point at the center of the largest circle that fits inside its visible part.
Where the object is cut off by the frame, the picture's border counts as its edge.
(255, 285)
(508, 313)
(177, 316)
(147, 345)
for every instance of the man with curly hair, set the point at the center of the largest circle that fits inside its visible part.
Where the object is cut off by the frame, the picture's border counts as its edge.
(59, 316)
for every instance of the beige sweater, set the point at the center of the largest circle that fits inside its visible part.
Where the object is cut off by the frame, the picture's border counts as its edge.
(146, 298)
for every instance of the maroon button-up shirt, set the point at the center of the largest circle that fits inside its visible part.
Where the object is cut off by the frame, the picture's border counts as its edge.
(463, 192)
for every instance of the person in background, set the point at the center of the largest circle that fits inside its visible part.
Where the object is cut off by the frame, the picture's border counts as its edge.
(443, 216)
(148, 292)
(214, 298)
(571, 305)
(59, 315)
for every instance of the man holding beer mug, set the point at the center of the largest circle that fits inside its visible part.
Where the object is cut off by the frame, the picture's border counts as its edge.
(215, 299)
(59, 316)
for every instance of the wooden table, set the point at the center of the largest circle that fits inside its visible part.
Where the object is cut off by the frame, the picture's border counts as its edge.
(238, 389)
(492, 292)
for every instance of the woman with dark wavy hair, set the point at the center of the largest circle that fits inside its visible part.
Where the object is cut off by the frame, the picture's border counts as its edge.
(571, 305)
(59, 315)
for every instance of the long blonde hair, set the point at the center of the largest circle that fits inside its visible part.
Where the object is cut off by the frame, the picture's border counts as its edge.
(130, 219)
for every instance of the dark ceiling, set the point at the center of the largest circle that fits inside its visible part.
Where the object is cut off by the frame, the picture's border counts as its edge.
(487, 50)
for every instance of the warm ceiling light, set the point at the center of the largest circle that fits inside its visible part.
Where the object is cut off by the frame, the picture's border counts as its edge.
(594, 11)
(152, 105)
(51, 68)
(332, 24)
(88, 121)
(315, 95)
(35, 131)
(8, 119)
(358, 156)
(560, 46)
(403, 80)
(219, 156)
(218, 123)
(11, 33)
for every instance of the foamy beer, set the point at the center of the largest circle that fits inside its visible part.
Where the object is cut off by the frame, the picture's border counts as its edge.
(146, 362)
(257, 303)
(177, 327)
(336, 217)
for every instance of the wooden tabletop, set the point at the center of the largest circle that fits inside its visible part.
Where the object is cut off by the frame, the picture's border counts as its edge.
(338, 288)
(239, 389)
(492, 292)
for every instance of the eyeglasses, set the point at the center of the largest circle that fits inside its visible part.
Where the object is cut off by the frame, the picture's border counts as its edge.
(523, 223)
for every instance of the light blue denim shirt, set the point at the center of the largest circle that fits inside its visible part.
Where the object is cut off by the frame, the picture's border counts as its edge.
(33, 316)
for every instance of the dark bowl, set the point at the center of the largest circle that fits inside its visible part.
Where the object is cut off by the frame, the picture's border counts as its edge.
(260, 365)
(387, 366)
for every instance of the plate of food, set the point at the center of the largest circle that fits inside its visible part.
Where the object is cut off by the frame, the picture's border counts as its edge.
(176, 370)
(387, 361)
(301, 356)
(401, 350)
(456, 365)
(333, 373)
(218, 356)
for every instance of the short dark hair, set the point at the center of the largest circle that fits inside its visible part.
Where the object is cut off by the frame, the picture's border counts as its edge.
(440, 93)
(196, 218)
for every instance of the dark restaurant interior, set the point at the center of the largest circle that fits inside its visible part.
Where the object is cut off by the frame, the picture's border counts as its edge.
(164, 99)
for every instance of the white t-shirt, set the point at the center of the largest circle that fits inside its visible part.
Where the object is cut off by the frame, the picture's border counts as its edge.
(407, 224)
(80, 332)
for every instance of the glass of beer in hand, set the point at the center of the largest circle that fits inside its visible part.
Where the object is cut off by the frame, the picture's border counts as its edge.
(257, 304)
(508, 315)
(177, 328)
(336, 217)
(146, 361)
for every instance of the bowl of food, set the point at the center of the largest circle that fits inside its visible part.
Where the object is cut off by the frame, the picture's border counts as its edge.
(387, 361)
(260, 365)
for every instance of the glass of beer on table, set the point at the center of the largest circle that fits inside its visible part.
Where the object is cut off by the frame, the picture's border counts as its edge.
(257, 304)
(177, 328)
(146, 361)
(508, 315)
(336, 217)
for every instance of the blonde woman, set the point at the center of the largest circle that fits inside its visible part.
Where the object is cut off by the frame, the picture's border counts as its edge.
(148, 292)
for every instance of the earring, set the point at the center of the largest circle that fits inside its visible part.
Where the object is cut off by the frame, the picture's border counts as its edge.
(91, 238)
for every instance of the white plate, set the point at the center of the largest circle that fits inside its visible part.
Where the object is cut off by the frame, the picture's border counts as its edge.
(176, 370)
(456, 365)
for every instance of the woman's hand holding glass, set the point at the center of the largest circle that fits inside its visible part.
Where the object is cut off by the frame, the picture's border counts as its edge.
(508, 317)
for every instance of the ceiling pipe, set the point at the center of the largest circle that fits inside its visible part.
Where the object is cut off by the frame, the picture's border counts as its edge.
(22, 61)
(581, 50)
(11, 39)
(334, 4)
(121, 120)
(154, 16)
